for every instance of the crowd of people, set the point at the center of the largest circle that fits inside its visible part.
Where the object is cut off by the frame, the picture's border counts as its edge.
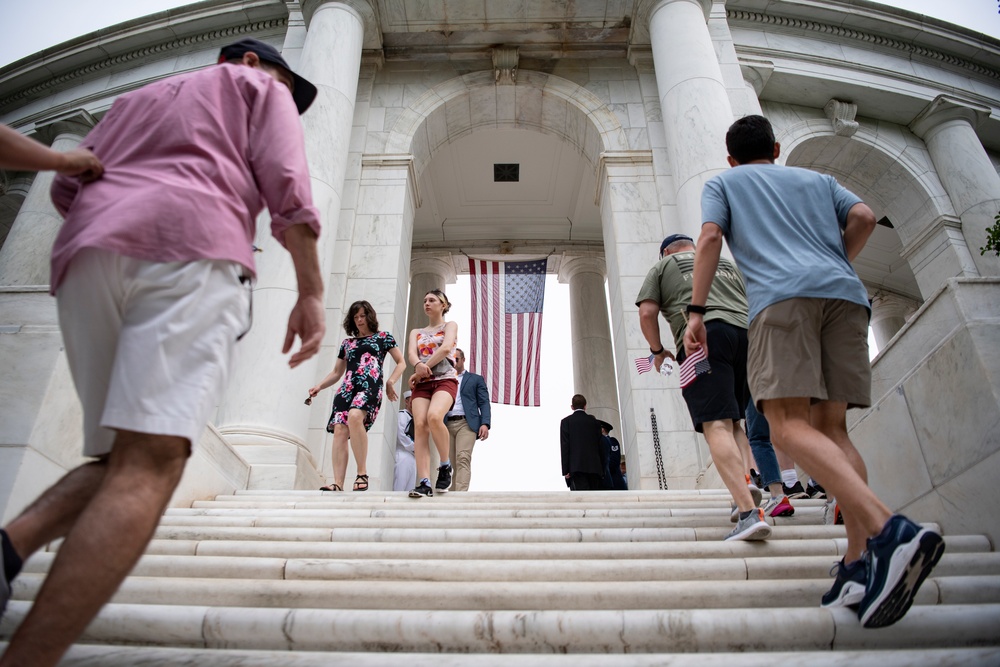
(148, 292)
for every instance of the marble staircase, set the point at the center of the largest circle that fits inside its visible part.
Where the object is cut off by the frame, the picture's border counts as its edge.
(611, 578)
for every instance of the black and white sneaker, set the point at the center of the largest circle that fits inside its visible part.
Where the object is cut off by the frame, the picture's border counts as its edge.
(898, 560)
(444, 479)
(794, 491)
(815, 490)
(849, 585)
(421, 490)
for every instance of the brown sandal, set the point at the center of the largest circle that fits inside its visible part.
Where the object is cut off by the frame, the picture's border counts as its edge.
(331, 487)
(361, 483)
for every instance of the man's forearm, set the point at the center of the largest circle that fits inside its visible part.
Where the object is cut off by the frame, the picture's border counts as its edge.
(649, 324)
(302, 246)
(860, 225)
(706, 261)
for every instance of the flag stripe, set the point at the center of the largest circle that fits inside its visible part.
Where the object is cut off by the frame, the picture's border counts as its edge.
(507, 328)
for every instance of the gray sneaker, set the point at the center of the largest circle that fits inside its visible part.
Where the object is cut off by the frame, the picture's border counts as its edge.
(751, 528)
(734, 511)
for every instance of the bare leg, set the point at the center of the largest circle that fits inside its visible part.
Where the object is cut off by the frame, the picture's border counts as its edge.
(421, 434)
(744, 446)
(53, 514)
(440, 403)
(726, 456)
(831, 462)
(341, 433)
(102, 547)
(359, 438)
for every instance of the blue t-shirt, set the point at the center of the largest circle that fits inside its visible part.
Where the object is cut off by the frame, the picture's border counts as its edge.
(784, 226)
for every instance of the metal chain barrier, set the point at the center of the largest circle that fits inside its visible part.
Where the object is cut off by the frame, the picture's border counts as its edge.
(660, 473)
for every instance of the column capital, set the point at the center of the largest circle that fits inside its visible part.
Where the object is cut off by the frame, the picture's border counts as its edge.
(649, 7)
(363, 9)
(756, 73)
(76, 122)
(573, 265)
(887, 304)
(946, 108)
(441, 266)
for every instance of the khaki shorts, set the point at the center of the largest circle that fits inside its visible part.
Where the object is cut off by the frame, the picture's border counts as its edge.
(811, 348)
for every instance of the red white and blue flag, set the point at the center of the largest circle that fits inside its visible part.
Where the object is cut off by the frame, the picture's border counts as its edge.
(644, 364)
(507, 300)
(693, 365)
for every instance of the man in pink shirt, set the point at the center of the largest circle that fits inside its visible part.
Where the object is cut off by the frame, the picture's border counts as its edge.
(151, 273)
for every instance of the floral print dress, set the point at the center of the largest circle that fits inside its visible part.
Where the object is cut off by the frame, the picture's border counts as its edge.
(361, 387)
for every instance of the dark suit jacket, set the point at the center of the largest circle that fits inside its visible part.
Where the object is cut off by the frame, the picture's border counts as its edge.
(580, 440)
(475, 401)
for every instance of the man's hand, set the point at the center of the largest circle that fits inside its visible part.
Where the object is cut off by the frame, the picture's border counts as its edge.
(307, 322)
(659, 358)
(80, 162)
(484, 432)
(695, 336)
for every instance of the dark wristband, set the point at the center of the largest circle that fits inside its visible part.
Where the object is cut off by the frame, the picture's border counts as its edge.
(657, 352)
(700, 310)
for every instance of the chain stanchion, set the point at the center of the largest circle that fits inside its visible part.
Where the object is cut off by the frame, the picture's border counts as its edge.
(660, 473)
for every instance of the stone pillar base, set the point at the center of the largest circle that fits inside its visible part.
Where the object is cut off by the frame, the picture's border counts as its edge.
(275, 460)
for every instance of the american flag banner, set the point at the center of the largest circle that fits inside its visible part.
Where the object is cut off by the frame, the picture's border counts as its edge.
(506, 335)
(694, 365)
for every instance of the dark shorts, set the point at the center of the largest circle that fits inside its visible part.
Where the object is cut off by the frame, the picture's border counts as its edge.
(430, 387)
(723, 393)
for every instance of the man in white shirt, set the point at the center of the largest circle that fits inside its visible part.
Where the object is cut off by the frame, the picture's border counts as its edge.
(467, 421)
(405, 475)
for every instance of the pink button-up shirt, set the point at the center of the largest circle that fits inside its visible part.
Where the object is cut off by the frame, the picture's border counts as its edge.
(189, 163)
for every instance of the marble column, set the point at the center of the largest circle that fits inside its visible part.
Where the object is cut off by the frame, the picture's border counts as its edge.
(947, 126)
(13, 191)
(889, 313)
(262, 414)
(426, 273)
(693, 99)
(24, 259)
(590, 331)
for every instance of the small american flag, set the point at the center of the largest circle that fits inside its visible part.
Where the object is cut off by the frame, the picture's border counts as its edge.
(644, 364)
(693, 366)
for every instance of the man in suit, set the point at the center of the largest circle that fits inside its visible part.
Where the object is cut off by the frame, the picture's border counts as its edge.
(580, 441)
(467, 421)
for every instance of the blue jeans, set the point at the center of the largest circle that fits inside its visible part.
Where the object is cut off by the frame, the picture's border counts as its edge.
(759, 435)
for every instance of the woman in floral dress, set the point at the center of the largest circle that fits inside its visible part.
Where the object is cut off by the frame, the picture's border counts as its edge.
(357, 401)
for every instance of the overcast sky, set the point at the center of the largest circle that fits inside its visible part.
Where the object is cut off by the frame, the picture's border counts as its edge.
(523, 450)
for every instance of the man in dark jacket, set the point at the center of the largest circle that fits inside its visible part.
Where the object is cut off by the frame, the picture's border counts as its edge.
(613, 479)
(580, 441)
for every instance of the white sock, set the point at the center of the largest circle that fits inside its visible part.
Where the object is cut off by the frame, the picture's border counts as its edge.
(789, 477)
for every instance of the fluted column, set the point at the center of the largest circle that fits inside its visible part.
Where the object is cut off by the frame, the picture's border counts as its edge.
(24, 259)
(262, 414)
(693, 98)
(593, 359)
(889, 313)
(947, 126)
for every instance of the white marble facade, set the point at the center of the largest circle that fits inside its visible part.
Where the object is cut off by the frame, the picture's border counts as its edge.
(636, 94)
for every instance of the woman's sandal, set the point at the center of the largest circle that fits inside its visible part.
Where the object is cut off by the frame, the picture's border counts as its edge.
(361, 483)
(331, 487)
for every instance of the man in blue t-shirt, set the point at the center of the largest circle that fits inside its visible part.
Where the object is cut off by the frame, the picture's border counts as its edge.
(794, 233)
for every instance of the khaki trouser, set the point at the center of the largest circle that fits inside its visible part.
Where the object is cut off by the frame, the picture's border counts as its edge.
(463, 439)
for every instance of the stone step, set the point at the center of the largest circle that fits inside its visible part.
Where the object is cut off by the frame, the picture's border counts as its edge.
(130, 656)
(833, 548)
(371, 569)
(532, 631)
(507, 595)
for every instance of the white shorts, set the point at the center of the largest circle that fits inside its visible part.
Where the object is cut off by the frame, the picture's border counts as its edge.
(149, 344)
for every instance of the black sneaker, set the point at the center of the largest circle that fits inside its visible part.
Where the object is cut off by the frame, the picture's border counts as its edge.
(815, 491)
(849, 585)
(421, 490)
(898, 559)
(444, 479)
(794, 491)
(755, 478)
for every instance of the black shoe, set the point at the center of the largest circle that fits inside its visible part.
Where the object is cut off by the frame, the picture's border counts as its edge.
(898, 559)
(755, 478)
(444, 479)
(815, 491)
(794, 491)
(849, 586)
(421, 490)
